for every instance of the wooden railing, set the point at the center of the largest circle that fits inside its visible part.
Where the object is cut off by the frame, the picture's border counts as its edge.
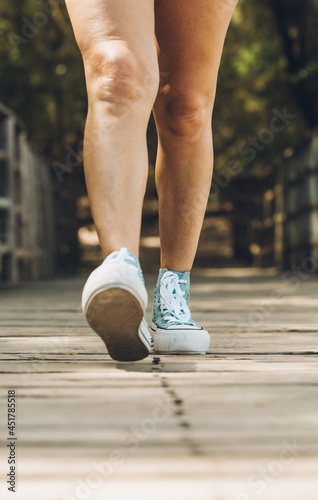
(300, 181)
(276, 211)
(257, 217)
(26, 206)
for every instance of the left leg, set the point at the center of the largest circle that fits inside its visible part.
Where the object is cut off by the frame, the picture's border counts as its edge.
(190, 37)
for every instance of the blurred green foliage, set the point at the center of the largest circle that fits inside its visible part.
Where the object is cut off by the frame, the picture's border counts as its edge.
(258, 73)
(269, 61)
(41, 74)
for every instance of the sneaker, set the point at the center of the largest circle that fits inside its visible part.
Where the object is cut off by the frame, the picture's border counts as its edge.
(114, 302)
(175, 332)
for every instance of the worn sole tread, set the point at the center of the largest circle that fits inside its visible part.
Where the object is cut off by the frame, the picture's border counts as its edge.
(115, 315)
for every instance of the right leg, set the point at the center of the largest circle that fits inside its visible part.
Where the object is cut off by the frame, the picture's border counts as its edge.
(117, 43)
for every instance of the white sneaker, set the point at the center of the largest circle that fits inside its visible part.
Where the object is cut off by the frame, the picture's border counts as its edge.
(114, 302)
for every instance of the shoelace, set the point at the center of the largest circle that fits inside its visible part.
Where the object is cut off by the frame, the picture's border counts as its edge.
(172, 303)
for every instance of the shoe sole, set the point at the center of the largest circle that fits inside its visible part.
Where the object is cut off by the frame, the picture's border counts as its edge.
(115, 315)
(180, 353)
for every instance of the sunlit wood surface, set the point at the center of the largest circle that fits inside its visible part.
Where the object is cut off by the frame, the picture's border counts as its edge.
(240, 423)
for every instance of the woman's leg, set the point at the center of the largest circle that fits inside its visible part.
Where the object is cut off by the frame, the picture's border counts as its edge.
(190, 36)
(117, 43)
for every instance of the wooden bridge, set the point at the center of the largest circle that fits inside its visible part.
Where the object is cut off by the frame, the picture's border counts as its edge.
(240, 423)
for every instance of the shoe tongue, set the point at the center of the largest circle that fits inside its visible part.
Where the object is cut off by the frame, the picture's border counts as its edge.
(124, 256)
(181, 276)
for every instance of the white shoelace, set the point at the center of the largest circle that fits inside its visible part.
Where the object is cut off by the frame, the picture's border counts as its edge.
(172, 303)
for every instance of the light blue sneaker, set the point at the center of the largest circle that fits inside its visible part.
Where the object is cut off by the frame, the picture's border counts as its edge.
(174, 331)
(114, 302)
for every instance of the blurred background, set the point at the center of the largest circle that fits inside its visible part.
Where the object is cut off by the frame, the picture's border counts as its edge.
(263, 207)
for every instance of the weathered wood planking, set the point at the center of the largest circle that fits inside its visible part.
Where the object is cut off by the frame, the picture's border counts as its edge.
(228, 419)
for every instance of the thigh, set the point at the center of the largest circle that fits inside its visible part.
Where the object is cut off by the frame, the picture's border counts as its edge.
(189, 37)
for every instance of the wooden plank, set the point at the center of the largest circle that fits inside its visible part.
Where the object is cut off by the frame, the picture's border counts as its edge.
(227, 417)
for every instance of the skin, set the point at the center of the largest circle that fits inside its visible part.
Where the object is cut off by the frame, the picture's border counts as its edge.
(162, 55)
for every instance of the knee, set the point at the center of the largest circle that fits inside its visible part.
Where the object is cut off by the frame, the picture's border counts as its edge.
(186, 115)
(116, 76)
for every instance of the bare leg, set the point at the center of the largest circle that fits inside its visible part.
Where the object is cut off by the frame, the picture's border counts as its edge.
(117, 43)
(190, 37)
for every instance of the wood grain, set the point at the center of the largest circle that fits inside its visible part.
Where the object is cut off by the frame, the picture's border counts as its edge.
(237, 424)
